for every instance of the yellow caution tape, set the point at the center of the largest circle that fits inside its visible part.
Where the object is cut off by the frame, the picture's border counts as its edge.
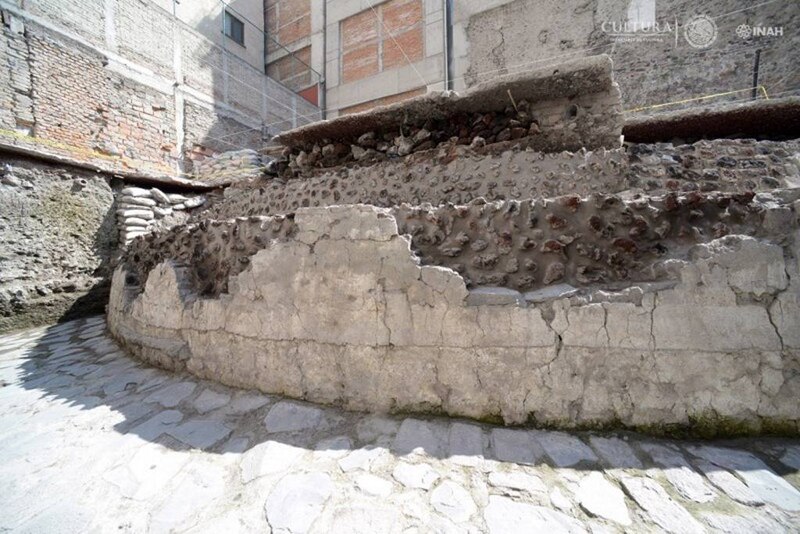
(705, 97)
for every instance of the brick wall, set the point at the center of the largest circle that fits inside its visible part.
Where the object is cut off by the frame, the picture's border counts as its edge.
(289, 29)
(402, 32)
(16, 113)
(81, 104)
(84, 17)
(206, 133)
(292, 70)
(287, 21)
(201, 67)
(144, 35)
(130, 87)
(381, 39)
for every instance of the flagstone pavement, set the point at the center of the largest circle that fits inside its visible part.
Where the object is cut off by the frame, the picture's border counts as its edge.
(93, 441)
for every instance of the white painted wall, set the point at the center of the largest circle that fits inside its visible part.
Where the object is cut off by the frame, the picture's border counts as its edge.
(205, 17)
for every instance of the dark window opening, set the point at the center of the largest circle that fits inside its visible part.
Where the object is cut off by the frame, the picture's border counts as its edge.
(234, 28)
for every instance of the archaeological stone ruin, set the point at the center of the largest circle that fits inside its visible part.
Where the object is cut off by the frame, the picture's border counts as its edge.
(508, 254)
(399, 266)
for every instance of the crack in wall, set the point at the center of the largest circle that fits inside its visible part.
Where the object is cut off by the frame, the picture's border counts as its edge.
(557, 375)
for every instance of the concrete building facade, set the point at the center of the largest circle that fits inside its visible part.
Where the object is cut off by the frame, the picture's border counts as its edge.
(372, 52)
(208, 17)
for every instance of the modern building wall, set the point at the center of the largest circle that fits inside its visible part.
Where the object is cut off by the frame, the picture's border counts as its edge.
(363, 65)
(367, 52)
(289, 25)
(495, 37)
(379, 50)
(206, 18)
(123, 84)
(289, 44)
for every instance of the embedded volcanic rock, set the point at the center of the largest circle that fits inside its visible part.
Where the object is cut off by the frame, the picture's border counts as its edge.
(553, 109)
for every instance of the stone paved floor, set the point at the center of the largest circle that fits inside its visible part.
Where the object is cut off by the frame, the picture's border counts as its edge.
(91, 441)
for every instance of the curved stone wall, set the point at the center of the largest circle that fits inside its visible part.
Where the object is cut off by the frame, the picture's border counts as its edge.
(340, 311)
(460, 174)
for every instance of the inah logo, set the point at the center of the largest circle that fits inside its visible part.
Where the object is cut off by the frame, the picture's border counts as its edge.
(745, 31)
(700, 31)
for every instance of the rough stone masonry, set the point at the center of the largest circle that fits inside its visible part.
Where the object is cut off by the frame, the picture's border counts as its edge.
(57, 239)
(62, 227)
(670, 305)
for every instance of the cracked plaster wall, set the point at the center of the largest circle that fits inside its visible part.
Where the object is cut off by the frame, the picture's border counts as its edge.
(342, 313)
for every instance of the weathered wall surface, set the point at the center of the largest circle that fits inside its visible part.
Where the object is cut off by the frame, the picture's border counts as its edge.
(572, 107)
(230, 167)
(726, 65)
(501, 36)
(459, 174)
(587, 121)
(206, 134)
(454, 174)
(496, 39)
(78, 103)
(129, 87)
(61, 231)
(341, 312)
(57, 238)
(525, 245)
(596, 240)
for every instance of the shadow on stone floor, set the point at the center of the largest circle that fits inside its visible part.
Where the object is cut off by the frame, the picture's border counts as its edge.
(123, 445)
(76, 365)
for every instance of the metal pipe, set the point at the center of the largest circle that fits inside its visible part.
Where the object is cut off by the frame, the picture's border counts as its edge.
(448, 48)
(322, 86)
(755, 74)
(266, 39)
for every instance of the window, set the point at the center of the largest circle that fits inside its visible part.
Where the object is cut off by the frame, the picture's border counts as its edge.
(234, 28)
